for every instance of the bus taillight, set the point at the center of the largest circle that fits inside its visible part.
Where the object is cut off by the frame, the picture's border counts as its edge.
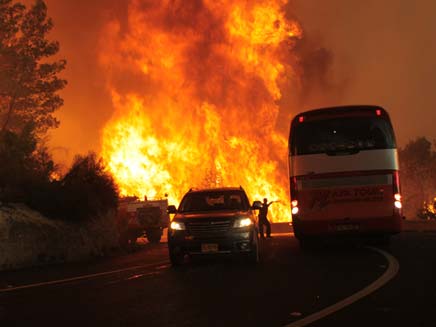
(397, 202)
(397, 194)
(294, 206)
(294, 192)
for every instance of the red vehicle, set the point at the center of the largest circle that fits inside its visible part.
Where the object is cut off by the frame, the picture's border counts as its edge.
(344, 176)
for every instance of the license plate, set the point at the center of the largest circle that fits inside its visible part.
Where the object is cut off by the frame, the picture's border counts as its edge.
(209, 247)
(347, 227)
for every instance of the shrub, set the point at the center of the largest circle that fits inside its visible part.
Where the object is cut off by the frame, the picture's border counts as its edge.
(87, 189)
(24, 166)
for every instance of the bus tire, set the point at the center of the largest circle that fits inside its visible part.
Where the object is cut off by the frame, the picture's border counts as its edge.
(381, 240)
(305, 244)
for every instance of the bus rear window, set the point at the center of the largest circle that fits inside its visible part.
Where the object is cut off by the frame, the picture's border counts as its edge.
(341, 135)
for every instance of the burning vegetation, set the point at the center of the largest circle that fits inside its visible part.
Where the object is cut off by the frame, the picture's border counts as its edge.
(196, 86)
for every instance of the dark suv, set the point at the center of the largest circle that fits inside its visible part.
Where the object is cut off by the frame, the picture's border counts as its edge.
(214, 221)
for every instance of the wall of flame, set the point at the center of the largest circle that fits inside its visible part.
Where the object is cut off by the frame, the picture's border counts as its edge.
(196, 86)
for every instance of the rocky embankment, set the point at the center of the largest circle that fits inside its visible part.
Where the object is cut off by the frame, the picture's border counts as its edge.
(29, 239)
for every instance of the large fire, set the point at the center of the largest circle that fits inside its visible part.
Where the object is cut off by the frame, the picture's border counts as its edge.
(195, 85)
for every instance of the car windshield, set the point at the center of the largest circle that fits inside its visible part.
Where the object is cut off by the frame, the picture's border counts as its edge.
(341, 135)
(214, 201)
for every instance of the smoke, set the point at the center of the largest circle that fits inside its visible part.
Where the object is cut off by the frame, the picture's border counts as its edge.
(352, 52)
(207, 70)
(382, 53)
(77, 26)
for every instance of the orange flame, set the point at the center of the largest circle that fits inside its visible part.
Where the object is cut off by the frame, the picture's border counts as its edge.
(195, 86)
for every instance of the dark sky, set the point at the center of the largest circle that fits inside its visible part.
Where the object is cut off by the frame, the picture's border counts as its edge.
(382, 52)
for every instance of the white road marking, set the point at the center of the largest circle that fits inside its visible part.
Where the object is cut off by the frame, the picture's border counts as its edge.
(391, 272)
(73, 279)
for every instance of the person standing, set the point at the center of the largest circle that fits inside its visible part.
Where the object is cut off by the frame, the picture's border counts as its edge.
(263, 218)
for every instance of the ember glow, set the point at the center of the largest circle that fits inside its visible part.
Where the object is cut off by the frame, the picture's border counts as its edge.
(195, 85)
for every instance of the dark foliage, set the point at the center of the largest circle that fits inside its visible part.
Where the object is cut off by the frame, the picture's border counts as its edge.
(26, 176)
(29, 82)
(87, 189)
(24, 165)
(85, 192)
(418, 176)
(29, 86)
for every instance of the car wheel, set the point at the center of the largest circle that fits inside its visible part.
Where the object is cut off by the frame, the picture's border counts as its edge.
(253, 257)
(177, 257)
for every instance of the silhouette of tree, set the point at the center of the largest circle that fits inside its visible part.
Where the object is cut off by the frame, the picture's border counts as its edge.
(29, 82)
(25, 165)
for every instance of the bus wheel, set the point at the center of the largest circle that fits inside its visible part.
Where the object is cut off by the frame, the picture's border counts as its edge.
(381, 240)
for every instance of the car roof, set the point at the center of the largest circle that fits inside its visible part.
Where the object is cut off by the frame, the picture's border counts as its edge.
(215, 189)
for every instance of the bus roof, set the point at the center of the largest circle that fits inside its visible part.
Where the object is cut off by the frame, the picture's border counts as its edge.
(342, 111)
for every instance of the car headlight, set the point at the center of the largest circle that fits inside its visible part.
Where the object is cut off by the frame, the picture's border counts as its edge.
(242, 222)
(175, 225)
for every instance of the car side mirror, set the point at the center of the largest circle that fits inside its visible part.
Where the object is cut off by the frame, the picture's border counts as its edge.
(256, 205)
(171, 209)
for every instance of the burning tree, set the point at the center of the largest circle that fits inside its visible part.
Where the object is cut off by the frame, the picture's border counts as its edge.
(28, 83)
(196, 86)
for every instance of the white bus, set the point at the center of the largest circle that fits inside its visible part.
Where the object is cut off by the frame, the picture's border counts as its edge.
(344, 176)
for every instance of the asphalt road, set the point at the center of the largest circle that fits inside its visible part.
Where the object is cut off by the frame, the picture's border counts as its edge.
(142, 289)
